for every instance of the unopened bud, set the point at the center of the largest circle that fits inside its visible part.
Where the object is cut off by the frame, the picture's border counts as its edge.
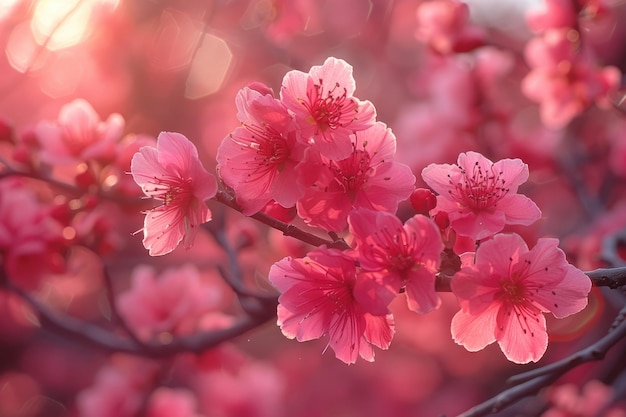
(423, 201)
(442, 220)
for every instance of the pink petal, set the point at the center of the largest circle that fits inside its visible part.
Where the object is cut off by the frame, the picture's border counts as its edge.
(176, 152)
(420, 292)
(335, 71)
(375, 291)
(519, 209)
(163, 230)
(568, 296)
(522, 334)
(474, 332)
(500, 252)
(515, 173)
(436, 177)
(379, 330)
(145, 166)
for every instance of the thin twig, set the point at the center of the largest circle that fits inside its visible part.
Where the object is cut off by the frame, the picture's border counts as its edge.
(98, 337)
(287, 229)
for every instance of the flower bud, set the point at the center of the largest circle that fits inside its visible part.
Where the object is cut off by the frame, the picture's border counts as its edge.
(423, 201)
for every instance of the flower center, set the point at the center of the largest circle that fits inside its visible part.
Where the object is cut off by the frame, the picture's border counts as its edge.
(352, 173)
(480, 189)
(170, 189)
(513, 292)
(270, 145)
(329, 110)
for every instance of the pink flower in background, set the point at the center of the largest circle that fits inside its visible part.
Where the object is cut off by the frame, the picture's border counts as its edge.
(368, 178)
(594, 399)
(258, 159)
(79, 135)
(317, 298)
(402, 256)
(504, 294)
(172, 402)
(31, 240)
(564, 78)
(173, 303)
(444, 26)
(173, 173)
(480, 196)
(325, 109)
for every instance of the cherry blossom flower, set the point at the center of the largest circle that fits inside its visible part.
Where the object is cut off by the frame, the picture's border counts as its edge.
(444, 26)
(173, 173)
(325, 109)
(317, 298)
(173, 302)
(564, 78)
(403, 256)
(480, 196)
(258, 159)
(78, 135)
(504, 293)
(31, 240)
(594, 399)
(368, 178)
(169, 402)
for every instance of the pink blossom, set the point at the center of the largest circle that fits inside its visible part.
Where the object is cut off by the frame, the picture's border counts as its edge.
(444, 26)
(325, 109)
(169, 402)
(368, 178)
(173, 302)
(554, 14)
(403, 256)
(173, 173)
(595, 399)
(31, 241)
(258, 159)
(119, 389)
(317, 298)
(564, 78)
(480, 196)
(504, 293)
(79, 135)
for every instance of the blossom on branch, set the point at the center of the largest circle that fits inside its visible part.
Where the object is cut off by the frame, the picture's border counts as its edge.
(325, 109)
(368, 178)
(399, 256)
(504, 294)
(79, 135)
(318, 298)
(480, 196)
(258, 159)
(173, 173)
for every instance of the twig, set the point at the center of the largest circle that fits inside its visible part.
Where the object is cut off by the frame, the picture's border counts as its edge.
(287, 229)
(608, 277)
(89, 334)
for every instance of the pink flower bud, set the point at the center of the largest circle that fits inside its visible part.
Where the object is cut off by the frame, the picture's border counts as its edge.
(423, 201)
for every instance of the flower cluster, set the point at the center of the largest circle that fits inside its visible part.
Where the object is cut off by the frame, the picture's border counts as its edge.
(317, 148)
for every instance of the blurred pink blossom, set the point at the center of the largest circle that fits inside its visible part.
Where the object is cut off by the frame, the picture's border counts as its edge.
(444, 26)
(504, 293)
(173, 173)
(170, 402)
(173, 302)
(564, 78)
(79, 135)
(595, 399)
(31, 241)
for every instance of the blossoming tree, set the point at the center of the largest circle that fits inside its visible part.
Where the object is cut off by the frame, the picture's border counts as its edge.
(430, 197)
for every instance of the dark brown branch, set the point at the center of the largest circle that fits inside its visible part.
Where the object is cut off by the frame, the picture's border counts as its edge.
(101, 338)
(287, 229)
